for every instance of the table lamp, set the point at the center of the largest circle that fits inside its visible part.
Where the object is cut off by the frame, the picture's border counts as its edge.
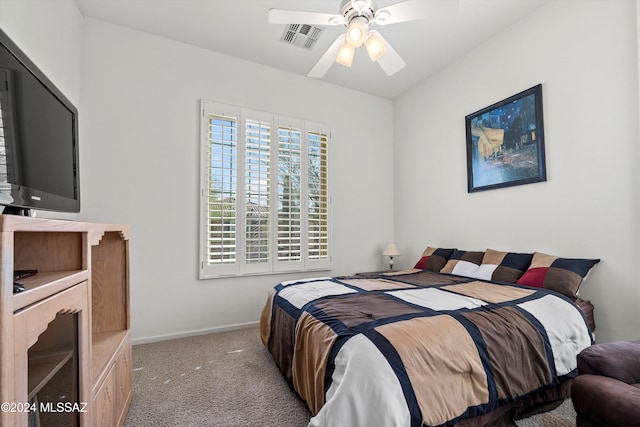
(391, 251)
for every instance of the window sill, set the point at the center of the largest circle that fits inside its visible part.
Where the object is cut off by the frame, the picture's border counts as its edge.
(264, 273)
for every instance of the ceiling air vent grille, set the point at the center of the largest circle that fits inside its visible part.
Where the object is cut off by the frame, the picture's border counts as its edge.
(301, 35)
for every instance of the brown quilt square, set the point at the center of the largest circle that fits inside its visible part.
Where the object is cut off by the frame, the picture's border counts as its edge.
(518, 365)
(356, 309)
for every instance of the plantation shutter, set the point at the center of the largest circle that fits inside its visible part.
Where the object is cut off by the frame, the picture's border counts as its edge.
(221, 191)
(318, 196)
(264, 193)
(290, 183)
(257, 192)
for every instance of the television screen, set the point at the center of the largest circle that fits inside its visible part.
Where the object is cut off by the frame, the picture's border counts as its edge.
(38, 137)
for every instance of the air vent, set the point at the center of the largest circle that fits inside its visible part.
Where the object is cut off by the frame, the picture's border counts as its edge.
(301, 35)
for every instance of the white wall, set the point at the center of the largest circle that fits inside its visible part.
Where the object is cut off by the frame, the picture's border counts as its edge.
(140, 96)
(584, 54)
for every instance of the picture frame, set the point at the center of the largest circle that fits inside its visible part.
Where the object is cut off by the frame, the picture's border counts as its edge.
(505, 143)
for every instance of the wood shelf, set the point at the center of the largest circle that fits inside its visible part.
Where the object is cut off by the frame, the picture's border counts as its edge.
(43, 367)
(104, 350)
(46, 283)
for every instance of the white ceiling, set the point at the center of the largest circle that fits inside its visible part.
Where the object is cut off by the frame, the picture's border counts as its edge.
(239, 28)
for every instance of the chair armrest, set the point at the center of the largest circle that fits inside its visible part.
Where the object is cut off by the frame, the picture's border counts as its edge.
(604, 401)
(619, 360)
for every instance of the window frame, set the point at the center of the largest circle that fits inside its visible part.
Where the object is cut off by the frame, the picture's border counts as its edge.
(240, 267)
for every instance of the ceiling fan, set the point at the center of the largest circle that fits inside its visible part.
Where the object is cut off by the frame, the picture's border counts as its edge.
(358, 16)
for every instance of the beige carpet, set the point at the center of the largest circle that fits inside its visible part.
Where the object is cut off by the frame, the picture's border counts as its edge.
(229, 379)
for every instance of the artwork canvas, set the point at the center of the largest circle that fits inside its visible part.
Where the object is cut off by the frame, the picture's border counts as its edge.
(505, 143)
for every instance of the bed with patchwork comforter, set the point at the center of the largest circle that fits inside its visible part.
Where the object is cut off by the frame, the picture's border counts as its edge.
(421, 349)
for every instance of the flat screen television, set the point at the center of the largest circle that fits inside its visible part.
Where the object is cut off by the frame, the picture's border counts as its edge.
(38, 138)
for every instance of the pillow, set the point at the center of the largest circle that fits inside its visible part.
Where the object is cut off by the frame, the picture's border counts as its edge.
(433, 259)
(463, 263)
(503, 266)
(562, 275)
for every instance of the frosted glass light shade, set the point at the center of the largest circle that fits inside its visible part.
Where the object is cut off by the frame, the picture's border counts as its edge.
(345, 55)
(356, 33)
(376, 47)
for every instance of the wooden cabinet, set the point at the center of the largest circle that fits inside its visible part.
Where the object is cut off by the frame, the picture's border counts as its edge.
(65, 348)
(113, 394)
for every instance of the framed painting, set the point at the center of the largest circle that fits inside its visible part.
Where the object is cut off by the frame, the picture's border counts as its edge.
(505, 143)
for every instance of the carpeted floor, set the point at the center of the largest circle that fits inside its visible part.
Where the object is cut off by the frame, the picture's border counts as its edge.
(229, 379)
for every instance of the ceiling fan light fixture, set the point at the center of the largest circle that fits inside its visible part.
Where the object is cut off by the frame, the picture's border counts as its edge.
(376, 47)
(356, 33)
(357, 16)
(361, 5)
(345, 55)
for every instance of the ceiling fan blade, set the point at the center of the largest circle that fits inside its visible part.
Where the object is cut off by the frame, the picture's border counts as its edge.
(284, 16)
(414, 10)
(322, 66)
(391, 62)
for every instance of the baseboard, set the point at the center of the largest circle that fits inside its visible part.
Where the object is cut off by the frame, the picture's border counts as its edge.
(194, 333)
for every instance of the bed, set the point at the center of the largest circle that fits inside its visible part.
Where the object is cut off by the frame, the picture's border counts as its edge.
(423, 347)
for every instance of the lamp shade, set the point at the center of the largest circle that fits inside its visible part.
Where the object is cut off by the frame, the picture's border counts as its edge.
(356, 33)
(345, 55)
(391, 250)
(376, 47)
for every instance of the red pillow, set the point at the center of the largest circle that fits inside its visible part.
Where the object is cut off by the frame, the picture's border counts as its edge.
(422, 263)
(534, 277)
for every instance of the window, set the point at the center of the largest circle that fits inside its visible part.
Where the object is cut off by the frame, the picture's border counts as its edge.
(265, 193)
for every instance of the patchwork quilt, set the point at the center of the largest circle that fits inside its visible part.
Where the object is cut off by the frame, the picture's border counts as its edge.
(418, 349)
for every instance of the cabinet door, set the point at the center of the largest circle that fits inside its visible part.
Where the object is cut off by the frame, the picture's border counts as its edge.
(123, 381)
(104, 403)
(39, 324)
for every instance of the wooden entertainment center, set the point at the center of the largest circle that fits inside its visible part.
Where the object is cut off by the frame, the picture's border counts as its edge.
(66, 347)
